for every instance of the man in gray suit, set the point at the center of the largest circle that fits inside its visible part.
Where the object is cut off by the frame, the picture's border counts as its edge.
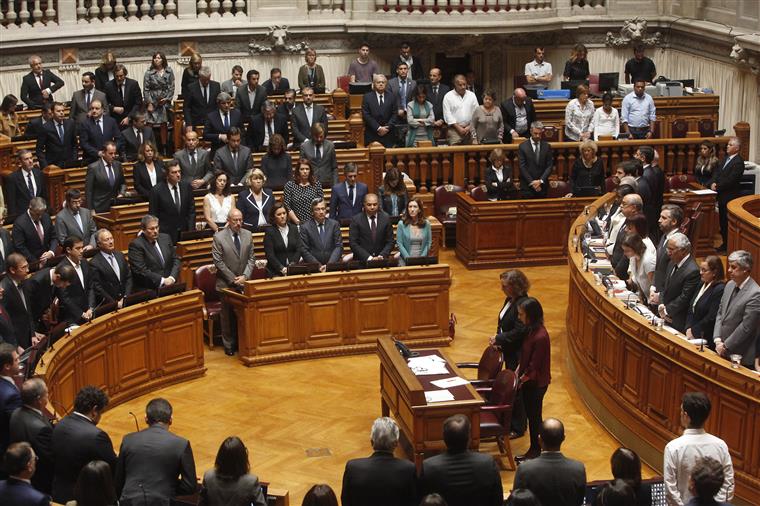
(321, 241)
(321, 153)
(73, 219)
(81, 99)
(307, 115)
(234, 158)
(105, 180)
(151, 460)
(195, 162)
(681, 283)
(232, 251)
(403, 90)
(738, 320)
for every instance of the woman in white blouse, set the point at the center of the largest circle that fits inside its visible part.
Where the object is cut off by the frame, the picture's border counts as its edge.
(641, 265)
(218, 202)
(606, 120)
(578, 115)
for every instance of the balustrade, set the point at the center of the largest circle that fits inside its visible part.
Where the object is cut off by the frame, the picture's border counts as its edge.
(589, 6)
(444, 7)
(227, 9)
(119, 11)
(15, 15)
(327, 6)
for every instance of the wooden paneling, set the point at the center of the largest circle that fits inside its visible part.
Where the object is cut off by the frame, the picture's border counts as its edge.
(636, 382)
(340, 313)
(744, 228)
(130, 352)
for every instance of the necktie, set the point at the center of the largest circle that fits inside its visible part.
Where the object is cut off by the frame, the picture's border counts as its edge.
(675, 269)
(269, 128)
(733, 294)
(192, 161)
(226, 121)
(87, 100)
(351, 194)
(236, 239)
(176, 196)
(537, 149)
(78, 219)
(40, 232)
(30, 184)
(373, 228)
(21, 294)
(139, 138)
(121, 94)
(317, 154)
(39, 81)
(205, 98)
(435, 90)
(100, 127)
(309, 114)
(160, 255)
(322, 232)
(403, 91)
(381, 100)
(111, 178)
(60, 130)
(115, 267)
(312, 72)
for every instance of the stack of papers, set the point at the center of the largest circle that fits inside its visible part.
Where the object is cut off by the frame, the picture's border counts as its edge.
(428, 365)
(450, 382)
(438, 396)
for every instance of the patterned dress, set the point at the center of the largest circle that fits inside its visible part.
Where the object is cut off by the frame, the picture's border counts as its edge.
(297, 198)
(157, 85)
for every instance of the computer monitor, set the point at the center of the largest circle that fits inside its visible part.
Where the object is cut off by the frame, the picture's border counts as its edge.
(359, 88)
(687, 83)
(572, 85)
(608, 81)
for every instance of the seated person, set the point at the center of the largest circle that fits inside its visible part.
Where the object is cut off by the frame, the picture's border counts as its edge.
(282, 242)
(78, 299)
(392, 194)
(499, 185)
(347, 197)
(152, 257)
(73, 219)
(413, 236)
(703, 309)
(371, 233)
(34, 235)
(234, 158)
(256, 202)
(276, 84)
(321, 240)
(276, 164)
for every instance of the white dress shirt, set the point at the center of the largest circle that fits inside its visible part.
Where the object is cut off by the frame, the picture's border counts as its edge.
(458, 109)
(535, 69)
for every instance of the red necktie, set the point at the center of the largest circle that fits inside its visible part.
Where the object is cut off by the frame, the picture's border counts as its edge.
(40, 233)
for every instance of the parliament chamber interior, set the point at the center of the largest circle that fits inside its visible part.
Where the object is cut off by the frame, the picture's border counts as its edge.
(537, 220)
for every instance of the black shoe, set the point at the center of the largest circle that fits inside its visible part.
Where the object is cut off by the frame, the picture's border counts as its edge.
(229, 352)
(515, 435)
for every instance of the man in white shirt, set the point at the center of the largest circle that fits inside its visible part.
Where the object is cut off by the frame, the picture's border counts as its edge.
(458, 106)
(538, 72)
(681, 454)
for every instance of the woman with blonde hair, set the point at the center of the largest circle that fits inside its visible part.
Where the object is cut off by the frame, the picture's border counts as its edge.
(104, 72)
(587, 172)
(190, 74)
(707, 161)
(576, 68)
(158, 92)
(311, 75)
(255, 202)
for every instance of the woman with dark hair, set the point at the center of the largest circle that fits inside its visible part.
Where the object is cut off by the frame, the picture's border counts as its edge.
(413, 236)
(158, 92)
(217, 203)
(703, 309)
(393, 194)
(578, 115)
(433, 500)
(282, 242)
(626, 466)
(641, 265)
(498, 179)
(576, 68)
(320, 495)
(533, 370)
(707, 162)
(8, 117)
(94, 486)
(616, 493)
(606, 120)
(255, 202)
(487, 121)
(231, 483)
(523, 497)
(148, 170)
(587, 173)
(420, 116)
(300, 191)
(276, 164)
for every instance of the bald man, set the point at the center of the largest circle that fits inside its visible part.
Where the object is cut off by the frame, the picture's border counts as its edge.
(518, 113)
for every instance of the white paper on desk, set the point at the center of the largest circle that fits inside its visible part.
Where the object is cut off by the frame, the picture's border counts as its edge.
(450, 382)
(428, 365)
(673, 331)
(706, 191)
(439, 396)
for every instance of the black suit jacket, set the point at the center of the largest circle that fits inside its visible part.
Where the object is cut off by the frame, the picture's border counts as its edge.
(75, 299)
(130, 146)
(554, 479)
(195, 108)
(171, 220)
(463, 479)
(375, 116)
(281, 89)
(147, 268)
(20, 493)
(148, 465)
(27, 242)
(661, 267)
(20, 314)
(531, 169)
(7, 245)
(92, 139)
(255, 134)
(701, 316)
(245, 202)
(277, 254)
(360, 237)
(77, 441)
(243, 104)
(10, 399)
(728, 179)
(300, 122)
(680, 288)
(39, 293)
(142, 179)
(30, 426)
(101, 79)
(213, 126)
(132, 102)
(655, 178)
(437, 99)
(34, 128)
(17, 195)
(510, 332)
(31, 94)
(510, 115)
(314, 249)
(379, 480)
(52, 151)
(105, 285)
(417, 70)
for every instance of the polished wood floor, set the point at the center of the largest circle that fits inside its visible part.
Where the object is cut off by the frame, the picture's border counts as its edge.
(303, 420)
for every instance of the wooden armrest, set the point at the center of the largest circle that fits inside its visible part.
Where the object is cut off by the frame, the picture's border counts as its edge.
(485, 384)
(497, 407)
(468, 365)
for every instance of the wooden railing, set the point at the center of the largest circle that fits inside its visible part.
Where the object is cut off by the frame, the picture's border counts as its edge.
(744, 228)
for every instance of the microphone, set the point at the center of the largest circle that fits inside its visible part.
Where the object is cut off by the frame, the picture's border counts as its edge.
(137, 427)
(628, 301)
(58, 405)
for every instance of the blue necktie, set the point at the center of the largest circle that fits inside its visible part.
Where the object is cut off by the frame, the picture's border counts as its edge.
(60, 130)
(30, 184)
(322, 232)
(226, 121)
(236, 238)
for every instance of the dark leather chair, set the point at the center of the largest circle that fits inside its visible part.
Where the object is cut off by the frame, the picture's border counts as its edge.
(479, 193)
(205, 280)
(706, 127)
(680, 182)
(496, 414)
(552, 133)
(557, 189)
(491, 362)
(445, 198)
(609, 184)
(679, 128)
(690, 223)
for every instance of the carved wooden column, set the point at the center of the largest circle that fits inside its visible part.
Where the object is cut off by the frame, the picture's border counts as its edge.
(376, 166)
(742, 132)
(340, 103)
(56, 190)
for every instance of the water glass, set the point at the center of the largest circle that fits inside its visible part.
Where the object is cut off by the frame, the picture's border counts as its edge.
(736, 361)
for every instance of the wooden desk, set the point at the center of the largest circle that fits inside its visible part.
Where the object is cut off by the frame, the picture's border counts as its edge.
(632, 378)
(340, 313)
(402, 396)
(744, 228)
(130, 352)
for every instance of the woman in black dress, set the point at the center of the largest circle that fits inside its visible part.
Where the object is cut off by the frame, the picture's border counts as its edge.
(148, 170)
(576, 68)
(587, 173)
(276, 164)
(282, 242)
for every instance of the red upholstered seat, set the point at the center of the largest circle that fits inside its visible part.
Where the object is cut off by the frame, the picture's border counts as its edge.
(491, 362)
(679, 129)
(479, 193)
(496, 414)
(445, 198)
(558, 189)
(681, 181)
(205, 281)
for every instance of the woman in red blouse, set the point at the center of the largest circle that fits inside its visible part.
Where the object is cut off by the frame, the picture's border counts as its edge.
(533, 370)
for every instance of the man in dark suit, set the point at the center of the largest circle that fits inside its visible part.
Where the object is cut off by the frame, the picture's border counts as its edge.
(727, 182)
(201, 99)
(461, 476)
(630, 206)
(681, 283)
(111, 276)
(152, 257)
(150, 461)
(73, 219)
(81, 99)
(6, 247)
(38, 86)
(123, 95)
(655, 180)
(416, 71)
(20, 463)
(403, 90)
(24, 184)
(29, 424)
(474, 86)
(34, 234)
(321, 153)
(380, 114)
(219, 122)
(305, 116)
(536, 163)
(264, 126)
(234, 158)
(171, 201)
(276, 84)
(43, 287)
(371, 233)
(134, 136)
(671, 216)
(288, 104)
(78, 299)
(57, 143)
(77, 441)
(250, 98)
(436, 91)
(321, 240)
(380, 479)
(518, 113)
(96, 130)
(105, 180)
(194, 161)
(34, 127)
(553, 478)
(19, 308)
(10, 398)
(346, 198)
